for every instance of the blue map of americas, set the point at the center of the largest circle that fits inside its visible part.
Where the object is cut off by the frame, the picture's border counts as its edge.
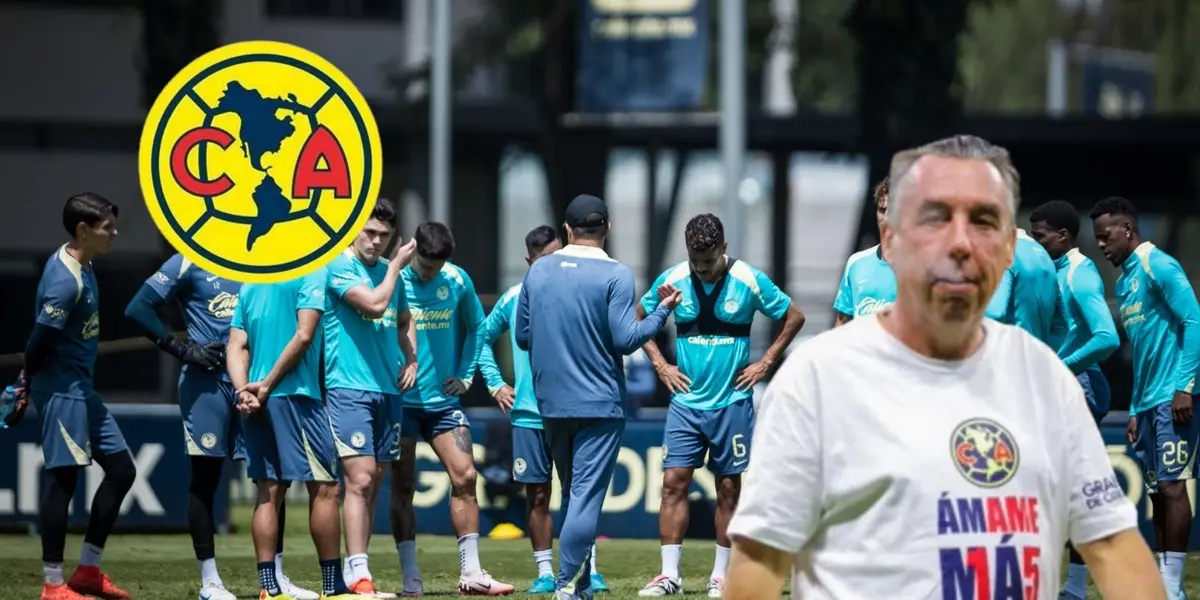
(261, 131)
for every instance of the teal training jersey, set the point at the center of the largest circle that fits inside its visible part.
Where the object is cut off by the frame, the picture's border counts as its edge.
(711, 362)
(267, 312)
(868, 284)
(361, 353)
(447, 315)
(1028, 294)
(1162, 321)
(1084, 333)
(524, 411)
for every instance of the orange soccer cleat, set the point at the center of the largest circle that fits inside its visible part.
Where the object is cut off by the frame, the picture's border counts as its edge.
(89, 580)
(60, 592)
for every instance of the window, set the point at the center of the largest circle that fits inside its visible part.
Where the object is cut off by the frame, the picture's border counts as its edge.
(390, 10)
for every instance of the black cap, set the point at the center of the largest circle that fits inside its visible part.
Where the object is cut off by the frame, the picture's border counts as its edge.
(586, 211)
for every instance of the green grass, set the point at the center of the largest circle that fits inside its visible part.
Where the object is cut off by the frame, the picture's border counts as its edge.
(162, 567)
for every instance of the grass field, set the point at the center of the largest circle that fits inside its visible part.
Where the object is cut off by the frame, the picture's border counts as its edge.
(162, 567)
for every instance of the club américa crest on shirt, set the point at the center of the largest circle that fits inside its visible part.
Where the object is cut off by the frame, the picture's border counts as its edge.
(991, 546)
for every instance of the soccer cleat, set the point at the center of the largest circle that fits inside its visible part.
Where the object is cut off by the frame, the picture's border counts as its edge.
(88, 580)
(544, 584)
(346, 596)
(293, 591)
(413, 586)
(366, 587)
(265, 595)
(599, 583)
(216, 591)
(662, 586)
(60, 592)
(716, 586)
(481, 583)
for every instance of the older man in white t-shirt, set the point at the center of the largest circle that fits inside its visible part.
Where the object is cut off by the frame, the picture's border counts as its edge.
(926, 452)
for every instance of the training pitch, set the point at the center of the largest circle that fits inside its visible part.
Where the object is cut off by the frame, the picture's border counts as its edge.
(163, 567)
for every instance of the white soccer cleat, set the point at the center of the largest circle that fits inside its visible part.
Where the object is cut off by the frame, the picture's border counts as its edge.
(413, 586)
(662, 586)
(215, 591)
(366, 587)
(481, 583)
(290, 589)
(716, 586)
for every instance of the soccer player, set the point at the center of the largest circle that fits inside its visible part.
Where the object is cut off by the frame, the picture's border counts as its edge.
(77, 428)
(531, 462)
(712, 402)
(368, 336)
(1028, 295)
(1085, 335)
(1159, 312)
(274, 365)
(212, 429)
(575, 317)
(868, 283)
(448, 315)
(925, 451)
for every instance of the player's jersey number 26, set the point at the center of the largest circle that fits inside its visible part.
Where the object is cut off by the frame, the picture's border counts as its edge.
(260, 161)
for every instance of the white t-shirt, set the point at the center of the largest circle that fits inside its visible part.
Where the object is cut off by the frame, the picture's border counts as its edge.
(894, 475)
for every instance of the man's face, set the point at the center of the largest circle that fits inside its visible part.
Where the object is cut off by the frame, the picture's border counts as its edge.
(881, 213)
(1114, 235)
(373, 240)
(548, 249)
(98, 239)
(427, 268)
(707, 264)
(1055, 241)
(954, 239)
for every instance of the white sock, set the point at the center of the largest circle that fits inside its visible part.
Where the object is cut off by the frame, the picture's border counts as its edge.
(408, 558)
(90, 556)
(670, 560)
(1077, 578)
(594, 571)
(1173, 570)
(53, 573)
(279, 568)
(468, 553)
(347, 572)
(720, 563)
(544, 559)
(358, 566)
(208, 572)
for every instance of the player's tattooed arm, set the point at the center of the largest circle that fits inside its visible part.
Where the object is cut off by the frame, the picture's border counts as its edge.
(793, 320)
(462, 440)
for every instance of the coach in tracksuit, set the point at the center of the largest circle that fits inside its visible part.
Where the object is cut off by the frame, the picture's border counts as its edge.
(575, 316)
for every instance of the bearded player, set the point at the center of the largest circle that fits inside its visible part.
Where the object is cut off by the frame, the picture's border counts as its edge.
(712, 405)
(868, 283)
(1159, 312)
(447, 314)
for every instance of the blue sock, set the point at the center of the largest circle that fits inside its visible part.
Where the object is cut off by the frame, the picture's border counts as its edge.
(332, 581)
(1077, 578)
(266, 577)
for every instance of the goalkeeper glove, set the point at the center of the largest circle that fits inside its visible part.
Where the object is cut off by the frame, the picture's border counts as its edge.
(13, 402)
(192, 353)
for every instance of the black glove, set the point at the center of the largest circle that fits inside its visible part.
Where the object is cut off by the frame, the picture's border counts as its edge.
(218, 350)
(192, 353)
(21, 401)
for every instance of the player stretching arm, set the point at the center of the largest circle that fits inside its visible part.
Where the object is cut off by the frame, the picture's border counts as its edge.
(868, 283)
(712, 403)
(1161, 318)
(77, 428)
(366, 311)
(275, 366)
(212, 428)
(448, 316)
(531, 452)
(1085, 334)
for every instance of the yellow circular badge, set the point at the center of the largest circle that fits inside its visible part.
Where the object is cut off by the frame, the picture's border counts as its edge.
(260, 161)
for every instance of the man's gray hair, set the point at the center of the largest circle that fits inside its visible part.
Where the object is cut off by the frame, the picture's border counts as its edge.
(967, 147)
